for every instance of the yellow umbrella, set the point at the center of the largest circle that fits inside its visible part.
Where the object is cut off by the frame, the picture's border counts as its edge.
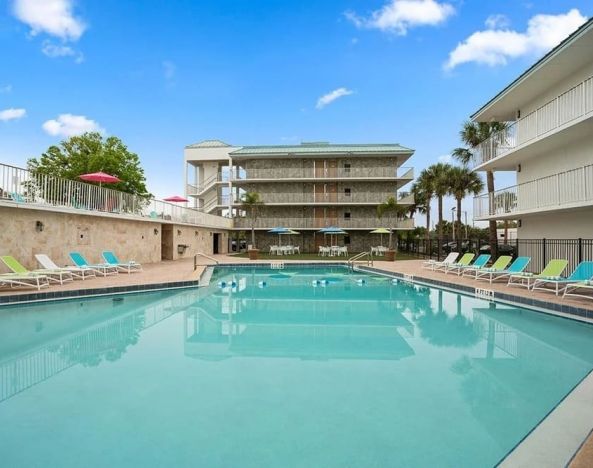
(381, 231)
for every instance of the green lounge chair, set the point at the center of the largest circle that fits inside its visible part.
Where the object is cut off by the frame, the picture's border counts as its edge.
(80, 273)
(432, 264)
(516, 267)
(18, 269)
(499, 265)
(583, 272)
(35, 281)
(101, 268)
(553, 270)
(478, 264)
(128, 267)
(463, 261)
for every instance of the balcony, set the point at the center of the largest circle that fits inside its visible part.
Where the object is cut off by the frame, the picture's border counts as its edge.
(335, 173)
(570, 189)
(362, 198)
(318, 223)
(563, 111)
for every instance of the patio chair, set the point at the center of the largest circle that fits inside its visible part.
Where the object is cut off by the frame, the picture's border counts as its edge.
(273, 250)
(128, 267)
(459, 269)
(465, 260)
(432, 264)
(499, 265)
(572, 288)
(102, 269)
(80, 273)
(583, 272)
(491, 275)
(553, 270)
(18, 269)
(35, 281)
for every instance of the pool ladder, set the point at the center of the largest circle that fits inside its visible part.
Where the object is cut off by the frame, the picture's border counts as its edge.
(362, 257)
(200, 254)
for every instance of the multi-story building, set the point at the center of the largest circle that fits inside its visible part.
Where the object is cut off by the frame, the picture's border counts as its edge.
(303, 187)
(548, 142)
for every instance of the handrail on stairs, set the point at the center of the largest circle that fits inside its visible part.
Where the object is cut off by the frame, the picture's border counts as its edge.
(203, 255)
(358, 258)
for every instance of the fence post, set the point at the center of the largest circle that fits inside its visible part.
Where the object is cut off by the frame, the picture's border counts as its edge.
(544, 261)
(580, 244)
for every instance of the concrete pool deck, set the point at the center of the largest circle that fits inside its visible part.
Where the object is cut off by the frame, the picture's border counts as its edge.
(181, 274)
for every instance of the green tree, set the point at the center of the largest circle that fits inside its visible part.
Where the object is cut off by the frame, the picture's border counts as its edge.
(393, 212)
(441, 177)
(472, 134)
(251, 203)
(423, 190)
(90, 152)
(463, 182)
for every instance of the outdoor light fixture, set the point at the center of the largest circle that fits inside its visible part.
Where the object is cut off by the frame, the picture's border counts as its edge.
(39, 226)
(178, 232)
(156, 231)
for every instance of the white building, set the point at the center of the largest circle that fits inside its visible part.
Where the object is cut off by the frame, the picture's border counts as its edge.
(548, 142)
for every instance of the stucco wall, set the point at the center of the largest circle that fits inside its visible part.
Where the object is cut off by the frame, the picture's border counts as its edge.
(558, 225)
(90, 235)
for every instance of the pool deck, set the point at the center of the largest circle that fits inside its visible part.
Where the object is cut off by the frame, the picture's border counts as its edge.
(181, 273)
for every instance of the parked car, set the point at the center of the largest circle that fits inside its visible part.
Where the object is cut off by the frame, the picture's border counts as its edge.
(503, 249)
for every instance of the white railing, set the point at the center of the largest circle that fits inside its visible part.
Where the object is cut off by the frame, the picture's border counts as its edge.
(318, 223)
(22, 186)
(572, 187)
(326, 173)
(313, 198)
(563, 109)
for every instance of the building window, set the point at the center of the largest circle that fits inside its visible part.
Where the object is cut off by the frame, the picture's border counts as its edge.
(347, 167)
(346, 240)
(347, 215)
(347, 192)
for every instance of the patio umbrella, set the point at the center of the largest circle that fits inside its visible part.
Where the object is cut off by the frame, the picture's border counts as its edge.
(381, 231)
(279, 231)
(176, 199)
(332, 231)
(100, 177)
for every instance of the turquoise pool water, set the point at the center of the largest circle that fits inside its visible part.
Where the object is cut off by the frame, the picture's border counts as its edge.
(286, 373)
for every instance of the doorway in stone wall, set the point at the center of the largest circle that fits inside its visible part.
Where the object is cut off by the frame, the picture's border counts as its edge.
(166, 242)
(215, 242)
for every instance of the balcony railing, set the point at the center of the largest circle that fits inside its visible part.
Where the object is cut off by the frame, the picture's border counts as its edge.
(318, 223)
(406, 173)
(39, 190)
(570, 188)
(316, 198)
(568, 106)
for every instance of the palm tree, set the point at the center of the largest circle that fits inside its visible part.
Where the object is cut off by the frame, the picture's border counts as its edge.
(442, 186)
(423, 190)
(472, 134)
(463, 182)
(394, 211)
(251, 203)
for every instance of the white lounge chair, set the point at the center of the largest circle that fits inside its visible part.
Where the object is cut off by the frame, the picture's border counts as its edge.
(49, 264)
(449, 260)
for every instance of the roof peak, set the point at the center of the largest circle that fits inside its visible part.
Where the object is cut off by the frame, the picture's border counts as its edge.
(209, 144)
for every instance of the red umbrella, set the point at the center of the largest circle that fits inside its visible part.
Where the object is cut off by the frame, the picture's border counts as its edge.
(100, 177)
(176, 199)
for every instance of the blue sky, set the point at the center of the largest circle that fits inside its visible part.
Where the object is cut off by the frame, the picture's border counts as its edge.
(161, 75)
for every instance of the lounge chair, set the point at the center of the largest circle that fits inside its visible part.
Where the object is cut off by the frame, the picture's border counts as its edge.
(12, 279)
(571, 288)
(80, 273)
(18, 269)
(553, 270)
(583, 272)
(499, 265)
(432, 264)
(128, 267)
(101, 268)
(465, 260)
(516, 267)
(478, 264)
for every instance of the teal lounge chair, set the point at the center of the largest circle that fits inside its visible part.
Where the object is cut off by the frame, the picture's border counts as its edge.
(516, 267)
(583, 272)
(101, 268)
(552, 271)
(128, 267)
(477, 265)
(499, 265)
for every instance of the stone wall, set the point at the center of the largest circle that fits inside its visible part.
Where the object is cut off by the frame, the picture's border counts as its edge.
(25, 232)
(356, 241)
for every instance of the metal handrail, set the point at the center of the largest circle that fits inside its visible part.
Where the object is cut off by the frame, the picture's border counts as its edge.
(203, 255)
(358, 257)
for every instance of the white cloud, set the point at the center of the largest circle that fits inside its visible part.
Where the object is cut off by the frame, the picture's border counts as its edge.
(496, 46)
(446, 158)
(5, 89)
(53, 17)
(12, 114)
(332, 96)
(497, 22)
(53, 50)
(67, 125)
(397, 16)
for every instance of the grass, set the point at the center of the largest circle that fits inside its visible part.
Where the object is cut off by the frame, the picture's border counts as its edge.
(313, 256)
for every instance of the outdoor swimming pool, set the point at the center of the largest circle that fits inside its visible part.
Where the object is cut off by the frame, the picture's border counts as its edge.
(279, 368)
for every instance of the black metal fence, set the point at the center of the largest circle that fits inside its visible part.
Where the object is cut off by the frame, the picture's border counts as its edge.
(541, 251)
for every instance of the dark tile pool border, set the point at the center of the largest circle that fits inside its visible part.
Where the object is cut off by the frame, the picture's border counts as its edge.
(57, 295)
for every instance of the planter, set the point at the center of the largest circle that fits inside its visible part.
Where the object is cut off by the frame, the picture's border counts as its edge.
(390, 255)
(253, 254)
